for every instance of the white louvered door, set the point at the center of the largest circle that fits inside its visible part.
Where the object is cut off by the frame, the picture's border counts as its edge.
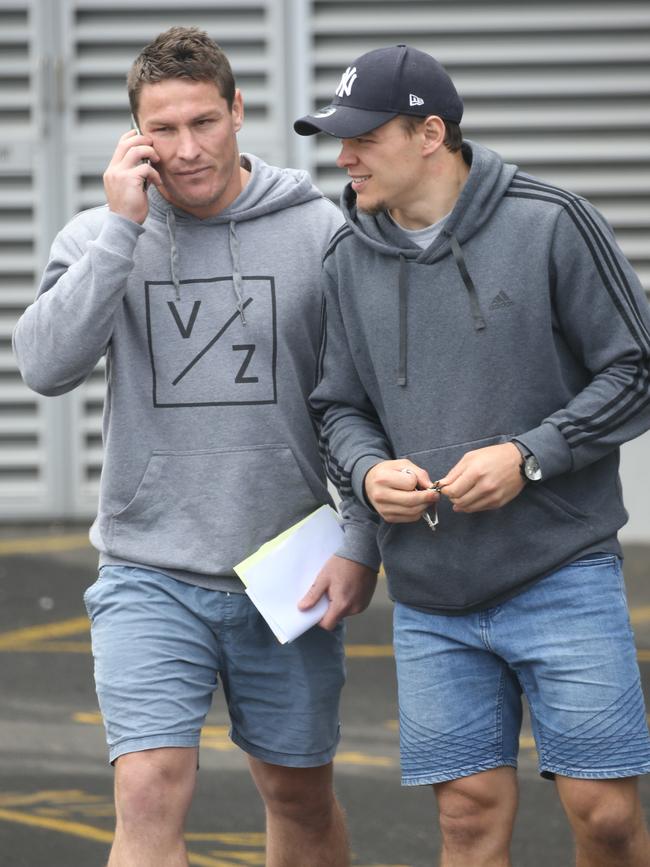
(563, 89)
(29, 429)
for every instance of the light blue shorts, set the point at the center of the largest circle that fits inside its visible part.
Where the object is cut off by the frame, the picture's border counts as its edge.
(566, 643)
(160, 644)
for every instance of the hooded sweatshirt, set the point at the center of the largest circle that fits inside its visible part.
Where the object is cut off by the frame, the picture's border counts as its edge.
(521, 320)
(210, 330)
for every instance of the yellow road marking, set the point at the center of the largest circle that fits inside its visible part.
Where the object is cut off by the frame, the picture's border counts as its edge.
(251, 844)
(54, 796)
(51, 647)
(368, 651)
(640, 614)
(43, 544)
(93, 719)
(60, 629)
(77, 829)
(249, 838)
(90, 832)
(352, 758)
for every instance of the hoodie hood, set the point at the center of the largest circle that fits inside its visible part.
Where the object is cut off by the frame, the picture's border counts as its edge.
(486, 184)
(269, 189)
(488, 180)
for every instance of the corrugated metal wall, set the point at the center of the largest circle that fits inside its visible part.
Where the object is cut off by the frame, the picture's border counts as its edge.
(563, 89)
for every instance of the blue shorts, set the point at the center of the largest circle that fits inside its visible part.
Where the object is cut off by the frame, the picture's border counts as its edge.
(566, 643)
(159, 645)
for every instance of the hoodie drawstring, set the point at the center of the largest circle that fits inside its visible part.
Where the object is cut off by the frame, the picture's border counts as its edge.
(237, 281)
(403, 287)
(173, 256)
(479, 322)
(234, 254)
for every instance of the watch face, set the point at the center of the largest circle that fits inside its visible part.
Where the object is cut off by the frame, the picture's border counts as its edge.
(532, 469)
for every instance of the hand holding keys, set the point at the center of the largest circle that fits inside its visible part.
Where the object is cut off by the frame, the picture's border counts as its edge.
(430, 517)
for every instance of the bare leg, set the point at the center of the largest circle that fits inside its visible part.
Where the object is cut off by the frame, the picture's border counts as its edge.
(607, 820)
(153, 791)
(477, 815)
(304, 822)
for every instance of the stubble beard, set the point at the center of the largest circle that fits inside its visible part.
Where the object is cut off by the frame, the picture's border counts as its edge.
(372, 209)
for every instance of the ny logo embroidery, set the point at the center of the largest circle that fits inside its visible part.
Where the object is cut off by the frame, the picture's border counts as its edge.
(347, 80)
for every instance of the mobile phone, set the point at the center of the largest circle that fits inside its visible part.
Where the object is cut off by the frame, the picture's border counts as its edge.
(148, 162)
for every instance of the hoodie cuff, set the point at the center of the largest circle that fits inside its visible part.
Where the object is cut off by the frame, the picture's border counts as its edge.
(550, 448)
(360, 545)
(359, 473)
(119, 235)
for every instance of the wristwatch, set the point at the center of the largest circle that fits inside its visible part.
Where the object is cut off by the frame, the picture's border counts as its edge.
(529, 467)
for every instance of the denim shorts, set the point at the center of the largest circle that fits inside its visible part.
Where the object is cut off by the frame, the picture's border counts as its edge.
(161, 645)
(566, 643)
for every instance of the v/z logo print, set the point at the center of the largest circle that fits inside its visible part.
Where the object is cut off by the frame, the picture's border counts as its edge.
(201, 352)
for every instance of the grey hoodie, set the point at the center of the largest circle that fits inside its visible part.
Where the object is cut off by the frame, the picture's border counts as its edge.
(522, 319)
(210, 330)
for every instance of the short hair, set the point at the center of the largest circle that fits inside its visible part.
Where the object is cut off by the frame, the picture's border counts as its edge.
(181, 52)
(453, 140)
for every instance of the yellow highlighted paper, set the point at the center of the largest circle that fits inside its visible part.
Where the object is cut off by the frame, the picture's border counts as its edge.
(279, 573)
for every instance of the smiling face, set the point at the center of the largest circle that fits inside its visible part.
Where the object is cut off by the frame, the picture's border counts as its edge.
(385, 167)
(194, 133)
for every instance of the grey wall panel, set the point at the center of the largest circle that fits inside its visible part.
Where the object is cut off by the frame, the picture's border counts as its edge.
(563, 89)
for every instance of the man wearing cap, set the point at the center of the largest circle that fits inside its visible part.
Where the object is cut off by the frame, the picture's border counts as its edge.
(486, 352)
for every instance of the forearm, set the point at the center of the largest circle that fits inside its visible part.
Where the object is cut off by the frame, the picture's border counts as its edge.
(61, 336)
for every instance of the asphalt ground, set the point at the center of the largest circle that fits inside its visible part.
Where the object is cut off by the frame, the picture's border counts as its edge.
(56, 806)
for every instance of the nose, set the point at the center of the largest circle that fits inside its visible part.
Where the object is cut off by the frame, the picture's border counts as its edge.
(346, 156)
(187, 146)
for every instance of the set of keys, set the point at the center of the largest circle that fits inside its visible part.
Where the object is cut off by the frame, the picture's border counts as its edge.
(430, 517)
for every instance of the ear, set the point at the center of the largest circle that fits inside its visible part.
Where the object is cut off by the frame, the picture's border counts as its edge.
(238, 110)
(433, 131)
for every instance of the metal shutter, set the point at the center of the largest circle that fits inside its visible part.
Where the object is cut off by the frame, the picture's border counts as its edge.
(26, 470)
(562, 89)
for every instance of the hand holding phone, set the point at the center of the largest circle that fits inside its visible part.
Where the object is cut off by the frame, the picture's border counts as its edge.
(147, 162)
(126, 178)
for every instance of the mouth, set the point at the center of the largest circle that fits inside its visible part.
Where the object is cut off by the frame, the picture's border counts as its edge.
(191, 173)
(359, 181)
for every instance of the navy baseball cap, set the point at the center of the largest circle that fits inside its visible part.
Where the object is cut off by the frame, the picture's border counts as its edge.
(381, 84)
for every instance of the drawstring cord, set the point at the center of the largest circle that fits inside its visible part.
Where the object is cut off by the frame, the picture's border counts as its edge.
(403, 289)
(173, 257)
(479, 322)
(236, 271)
(234, 253)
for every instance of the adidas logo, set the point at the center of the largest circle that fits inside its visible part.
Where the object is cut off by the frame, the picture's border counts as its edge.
(415, 100)
(501, 300)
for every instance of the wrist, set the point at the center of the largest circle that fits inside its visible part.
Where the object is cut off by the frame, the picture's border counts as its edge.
(529, 465)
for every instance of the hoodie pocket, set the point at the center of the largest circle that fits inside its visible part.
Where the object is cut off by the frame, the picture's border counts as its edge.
(475, 558)
(204, 511)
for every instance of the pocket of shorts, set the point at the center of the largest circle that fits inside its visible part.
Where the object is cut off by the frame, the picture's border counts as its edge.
(206, 510)
(89, 596)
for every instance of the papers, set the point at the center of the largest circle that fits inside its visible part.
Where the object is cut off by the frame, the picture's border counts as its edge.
(279, 573)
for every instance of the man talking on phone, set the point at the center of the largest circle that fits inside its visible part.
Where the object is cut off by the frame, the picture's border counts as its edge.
(203, 294)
